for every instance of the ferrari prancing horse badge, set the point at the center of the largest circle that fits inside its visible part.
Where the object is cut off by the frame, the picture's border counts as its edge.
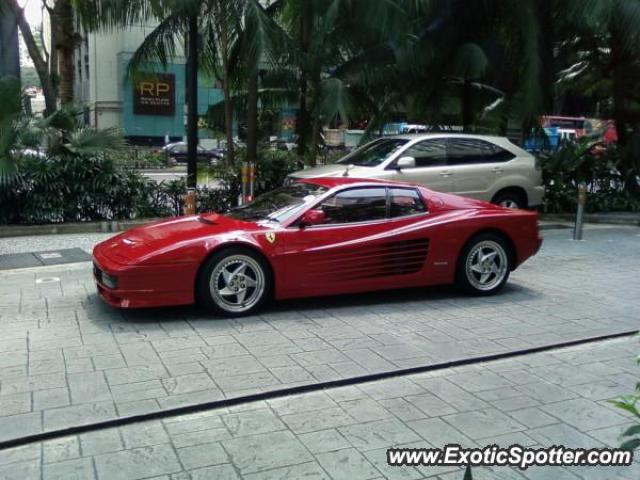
(271, 237)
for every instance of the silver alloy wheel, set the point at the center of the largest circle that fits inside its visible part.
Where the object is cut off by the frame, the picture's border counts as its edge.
(237, 283)
(486, 265)
(509, 203)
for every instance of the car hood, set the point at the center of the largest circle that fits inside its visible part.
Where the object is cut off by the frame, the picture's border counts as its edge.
(335, 170)
(139, 242)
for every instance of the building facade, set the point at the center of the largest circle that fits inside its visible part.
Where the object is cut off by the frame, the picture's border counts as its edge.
(148, 106)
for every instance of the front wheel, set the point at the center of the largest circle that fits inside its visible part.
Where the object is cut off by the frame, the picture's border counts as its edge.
(484, 265)
(509, 199)
(234, 282)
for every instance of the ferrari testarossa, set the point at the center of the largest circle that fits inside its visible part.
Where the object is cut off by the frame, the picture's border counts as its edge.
(320, 236)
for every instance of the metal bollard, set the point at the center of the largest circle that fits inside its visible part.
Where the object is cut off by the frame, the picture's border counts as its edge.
(190, 202)
(582, 200)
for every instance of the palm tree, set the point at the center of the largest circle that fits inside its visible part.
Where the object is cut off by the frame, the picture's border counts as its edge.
(42, 64)
(65, 39)
(607, 54)
(57, 135)
(222, 26)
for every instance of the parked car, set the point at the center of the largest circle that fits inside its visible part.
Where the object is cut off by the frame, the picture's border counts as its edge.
(178, 152)
(320, 236)
(482, 167)
(29, 152)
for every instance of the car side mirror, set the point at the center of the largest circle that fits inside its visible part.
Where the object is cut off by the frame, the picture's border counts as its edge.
(313, 217)
(405, 162)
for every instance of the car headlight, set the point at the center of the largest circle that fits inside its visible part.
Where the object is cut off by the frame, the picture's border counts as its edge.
(288, 181)
(109, 280)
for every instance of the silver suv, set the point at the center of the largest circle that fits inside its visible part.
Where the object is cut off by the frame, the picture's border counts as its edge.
(477, 166)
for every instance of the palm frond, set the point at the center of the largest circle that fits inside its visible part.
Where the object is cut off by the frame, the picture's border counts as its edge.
(89, 142)
(470, 61)
(336, 101)
(160, 45)
(110, 15)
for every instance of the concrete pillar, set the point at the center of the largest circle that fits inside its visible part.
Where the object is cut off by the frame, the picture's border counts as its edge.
(9, 52)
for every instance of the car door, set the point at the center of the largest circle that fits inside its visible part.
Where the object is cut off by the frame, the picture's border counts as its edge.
(430, 169)
(475, 166)
(359, 247)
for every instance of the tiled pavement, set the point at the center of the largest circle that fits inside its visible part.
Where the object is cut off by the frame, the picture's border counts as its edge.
(37, 243)
(545, 399)
(67, 359)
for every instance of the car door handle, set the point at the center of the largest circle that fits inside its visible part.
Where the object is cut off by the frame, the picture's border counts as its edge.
(497, 170)
(445, 173)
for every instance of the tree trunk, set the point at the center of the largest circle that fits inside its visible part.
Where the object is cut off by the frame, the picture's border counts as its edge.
(621, 106)
(617, 73)
(192, 103)
(303, 120)
(228, 117)
(547, 57)
(62, 22)
(222, 29)
(467, 106)
(252, 116)
(39, 62)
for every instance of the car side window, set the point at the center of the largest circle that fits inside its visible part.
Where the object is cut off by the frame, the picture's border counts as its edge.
(429, 153)
(405, 201)
(355, 205)
(466, 151)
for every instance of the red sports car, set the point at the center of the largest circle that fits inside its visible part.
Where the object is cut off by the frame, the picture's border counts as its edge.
(320, 236)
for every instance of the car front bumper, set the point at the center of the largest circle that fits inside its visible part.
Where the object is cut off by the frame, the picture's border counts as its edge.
(144, 286)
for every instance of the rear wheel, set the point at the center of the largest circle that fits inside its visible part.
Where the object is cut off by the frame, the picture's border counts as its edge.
(234, 282)
(484, 265)
(510, 199)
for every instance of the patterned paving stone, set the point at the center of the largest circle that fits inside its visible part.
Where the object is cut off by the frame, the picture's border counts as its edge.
(71, 359)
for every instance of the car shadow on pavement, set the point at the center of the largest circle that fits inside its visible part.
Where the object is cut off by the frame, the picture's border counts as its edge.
(407, 299)
(415, 296)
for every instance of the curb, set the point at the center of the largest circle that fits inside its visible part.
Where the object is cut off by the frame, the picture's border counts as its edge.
(74, 227)
(613, 218)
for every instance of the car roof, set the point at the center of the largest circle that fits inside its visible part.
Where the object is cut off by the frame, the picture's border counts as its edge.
(331, 182)
(420, 136)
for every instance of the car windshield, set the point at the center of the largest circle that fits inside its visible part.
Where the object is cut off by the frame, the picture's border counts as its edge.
(280, 204)
(374, 153)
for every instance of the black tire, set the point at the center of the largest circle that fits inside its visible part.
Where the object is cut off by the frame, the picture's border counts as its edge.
(510, 199)
(469, 280)
(213, 300)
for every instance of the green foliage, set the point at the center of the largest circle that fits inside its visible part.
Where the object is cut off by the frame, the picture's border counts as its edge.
(69, 188)
(575, 163)
(631, 404)
(272, 168)
(140, 158)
